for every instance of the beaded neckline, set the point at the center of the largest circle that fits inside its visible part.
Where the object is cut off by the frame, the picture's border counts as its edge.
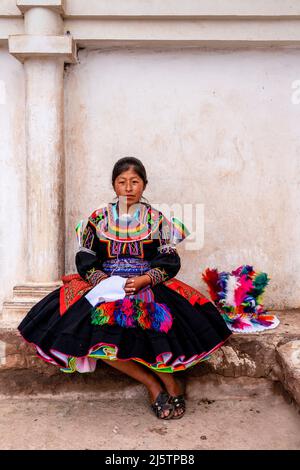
(144, 222)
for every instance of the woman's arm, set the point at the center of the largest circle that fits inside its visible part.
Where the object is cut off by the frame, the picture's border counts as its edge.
(164, 266)
(87, 258)
(166, 263)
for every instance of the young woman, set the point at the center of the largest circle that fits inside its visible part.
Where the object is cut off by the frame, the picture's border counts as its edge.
(125, 306)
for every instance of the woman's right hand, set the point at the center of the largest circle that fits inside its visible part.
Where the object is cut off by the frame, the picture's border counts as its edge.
(134, 284)
(129, 287)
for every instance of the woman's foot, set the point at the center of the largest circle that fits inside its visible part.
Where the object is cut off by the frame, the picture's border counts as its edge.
(160, 403)
(179, 406)
(162, 406)
(176, 393)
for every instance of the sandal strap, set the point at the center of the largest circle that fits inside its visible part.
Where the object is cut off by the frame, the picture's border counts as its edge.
(179, 401)
(161, 404)
(162, 398)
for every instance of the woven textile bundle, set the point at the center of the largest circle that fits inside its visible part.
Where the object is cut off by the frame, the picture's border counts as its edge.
(238, 296)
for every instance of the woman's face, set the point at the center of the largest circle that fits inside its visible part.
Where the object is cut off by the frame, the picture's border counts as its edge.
(130, 185)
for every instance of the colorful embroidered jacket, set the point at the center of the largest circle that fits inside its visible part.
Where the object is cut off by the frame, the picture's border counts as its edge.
(113, 243)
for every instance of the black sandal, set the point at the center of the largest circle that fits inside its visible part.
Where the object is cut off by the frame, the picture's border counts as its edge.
(161, 404)
(179, 404)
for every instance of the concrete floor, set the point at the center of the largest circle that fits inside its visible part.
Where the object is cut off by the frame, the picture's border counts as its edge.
(77, 423)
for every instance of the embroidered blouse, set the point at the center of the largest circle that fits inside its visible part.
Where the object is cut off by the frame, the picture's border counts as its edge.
(129, 245)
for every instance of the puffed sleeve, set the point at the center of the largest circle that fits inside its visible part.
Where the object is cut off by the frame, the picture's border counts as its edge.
(166, 263)
(87, 258)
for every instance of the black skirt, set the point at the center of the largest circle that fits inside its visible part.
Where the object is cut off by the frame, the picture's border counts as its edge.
(73, 343)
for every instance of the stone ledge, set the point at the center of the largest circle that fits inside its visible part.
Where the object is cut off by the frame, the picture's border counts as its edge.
(25, 296)
(24, 47)
(107, 383)
(230, 33)
(178, 8)
(250, 357)
(14, 310)
(255, 354)
(289, 358)
(198, 32)
(34, 290)
(56, 5)
(160, 9)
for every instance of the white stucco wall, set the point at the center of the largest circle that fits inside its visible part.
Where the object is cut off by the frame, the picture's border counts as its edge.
(212, 127)
(12, 175)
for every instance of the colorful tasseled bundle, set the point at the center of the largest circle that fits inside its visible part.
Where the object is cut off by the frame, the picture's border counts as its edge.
(130, 313)
(238, 296)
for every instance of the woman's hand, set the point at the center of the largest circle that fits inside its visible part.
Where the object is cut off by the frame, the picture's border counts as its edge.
(134, 284)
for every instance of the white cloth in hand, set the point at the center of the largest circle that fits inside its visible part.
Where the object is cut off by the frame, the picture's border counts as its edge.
(108, 290)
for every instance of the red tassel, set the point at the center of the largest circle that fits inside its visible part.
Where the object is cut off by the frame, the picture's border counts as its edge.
(210, 276)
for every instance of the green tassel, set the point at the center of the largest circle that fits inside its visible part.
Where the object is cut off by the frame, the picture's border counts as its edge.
(260, 281)
(139, 312)
(98, 318)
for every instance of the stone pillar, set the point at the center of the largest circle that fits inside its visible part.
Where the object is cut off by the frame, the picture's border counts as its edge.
(45, 169)
(44, 49)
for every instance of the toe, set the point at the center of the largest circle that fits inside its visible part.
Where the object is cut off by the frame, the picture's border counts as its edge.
(178, 411)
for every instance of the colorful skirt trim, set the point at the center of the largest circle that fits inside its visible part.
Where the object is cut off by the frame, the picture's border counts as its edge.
(88, 363)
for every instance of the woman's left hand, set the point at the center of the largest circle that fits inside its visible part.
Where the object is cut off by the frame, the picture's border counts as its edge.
(134, 284)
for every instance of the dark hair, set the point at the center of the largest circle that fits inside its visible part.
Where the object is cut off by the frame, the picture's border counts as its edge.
(123, 164)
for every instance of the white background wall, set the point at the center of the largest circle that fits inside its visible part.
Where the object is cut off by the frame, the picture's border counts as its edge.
(212, 127)
(12, 175)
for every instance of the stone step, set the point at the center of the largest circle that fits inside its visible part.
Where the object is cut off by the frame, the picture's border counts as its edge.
(25, 296)
(288, 356)
(14, 311)
(107, 383)
(34, 291)
(250, 363)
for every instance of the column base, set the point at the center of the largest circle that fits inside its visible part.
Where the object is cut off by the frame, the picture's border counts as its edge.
(25, 296)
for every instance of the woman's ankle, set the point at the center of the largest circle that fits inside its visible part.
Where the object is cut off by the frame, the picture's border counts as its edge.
(174, 388)
(154, 390)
